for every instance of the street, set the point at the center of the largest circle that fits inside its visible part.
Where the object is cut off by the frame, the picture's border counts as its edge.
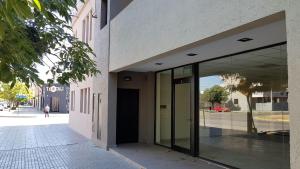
(28, 140)
(272, 121)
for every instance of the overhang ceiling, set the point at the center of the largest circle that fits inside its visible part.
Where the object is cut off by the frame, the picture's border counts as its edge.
(262, 36)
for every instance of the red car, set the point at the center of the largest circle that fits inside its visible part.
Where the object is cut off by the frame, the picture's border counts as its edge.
(221, 109)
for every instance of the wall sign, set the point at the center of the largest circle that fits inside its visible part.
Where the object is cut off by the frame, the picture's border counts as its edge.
(54, 89)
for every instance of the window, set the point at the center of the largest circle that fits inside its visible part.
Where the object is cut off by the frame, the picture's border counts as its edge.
(236, 101)
(163, 107)
(93, 107)
(83, 31)
(237, 129)
(91, 24)
(85, 99)
(99, 118)
(87, 28)
(103, 20)
(88, 100)
(81, 100)
(72, 100)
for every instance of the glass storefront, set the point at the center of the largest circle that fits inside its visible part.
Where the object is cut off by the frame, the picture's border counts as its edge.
(163, 108)
(240, 104)
(244, 118)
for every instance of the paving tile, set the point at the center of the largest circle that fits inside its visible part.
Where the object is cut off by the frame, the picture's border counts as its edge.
(52, 147)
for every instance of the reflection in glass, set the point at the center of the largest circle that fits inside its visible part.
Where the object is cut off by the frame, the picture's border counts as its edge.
(163, 107)
(244, 118)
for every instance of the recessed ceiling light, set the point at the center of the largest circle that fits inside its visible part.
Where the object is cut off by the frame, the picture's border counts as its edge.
(159, 63)
(191, 54)
(244, 39)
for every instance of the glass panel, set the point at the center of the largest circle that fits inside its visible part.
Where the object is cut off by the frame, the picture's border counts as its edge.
(163, 107)
(182, 72)
(244, 118)
(182, 117)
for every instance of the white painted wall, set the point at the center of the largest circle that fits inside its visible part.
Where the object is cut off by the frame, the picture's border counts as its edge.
(150, 28)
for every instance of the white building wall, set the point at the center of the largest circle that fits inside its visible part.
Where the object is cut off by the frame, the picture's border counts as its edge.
(147, 29)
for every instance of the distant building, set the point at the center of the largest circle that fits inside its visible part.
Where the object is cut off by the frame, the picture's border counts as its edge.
(56, 96)
(36, 99)
(261, 101)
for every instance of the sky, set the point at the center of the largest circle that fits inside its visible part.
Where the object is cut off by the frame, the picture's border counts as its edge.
(44, 68)
(209, 81)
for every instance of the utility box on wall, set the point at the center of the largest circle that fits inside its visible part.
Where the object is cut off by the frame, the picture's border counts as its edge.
(56, 96)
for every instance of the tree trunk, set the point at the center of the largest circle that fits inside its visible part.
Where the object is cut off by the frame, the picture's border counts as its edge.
(250, 122)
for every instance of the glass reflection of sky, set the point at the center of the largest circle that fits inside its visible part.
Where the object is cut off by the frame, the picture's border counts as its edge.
(209, 81)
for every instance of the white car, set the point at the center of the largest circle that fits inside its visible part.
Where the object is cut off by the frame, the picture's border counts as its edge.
(1, 107)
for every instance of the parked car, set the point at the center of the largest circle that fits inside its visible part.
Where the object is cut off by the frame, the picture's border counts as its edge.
(1, 107)
(221, 109)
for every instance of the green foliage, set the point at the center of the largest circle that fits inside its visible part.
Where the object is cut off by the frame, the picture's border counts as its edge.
(31, 30)
(9, 93)
(215, 94)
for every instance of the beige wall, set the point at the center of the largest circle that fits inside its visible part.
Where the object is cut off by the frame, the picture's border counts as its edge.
(293, 50)
(150, 28)
(81, 122)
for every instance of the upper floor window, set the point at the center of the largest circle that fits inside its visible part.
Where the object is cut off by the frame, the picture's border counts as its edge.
(103, 20)
(91, 24)
(83, 30)
(87, 28)
(72, 100)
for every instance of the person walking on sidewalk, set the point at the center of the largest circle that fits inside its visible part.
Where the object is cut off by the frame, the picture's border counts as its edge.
(46, 110)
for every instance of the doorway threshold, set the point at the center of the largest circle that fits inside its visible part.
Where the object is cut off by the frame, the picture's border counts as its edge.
(148, 156)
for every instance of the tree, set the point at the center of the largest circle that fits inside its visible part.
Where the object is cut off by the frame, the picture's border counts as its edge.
(10, 93)
(32, 30)
(236, 82)
(215, 94)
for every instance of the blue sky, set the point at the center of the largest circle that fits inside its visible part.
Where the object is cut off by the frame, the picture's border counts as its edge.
(209, 81)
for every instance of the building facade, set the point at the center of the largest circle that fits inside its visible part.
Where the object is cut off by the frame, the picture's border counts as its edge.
(156, 57)
(56, 96)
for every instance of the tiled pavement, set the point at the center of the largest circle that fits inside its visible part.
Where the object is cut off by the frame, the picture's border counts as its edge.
(52, 147)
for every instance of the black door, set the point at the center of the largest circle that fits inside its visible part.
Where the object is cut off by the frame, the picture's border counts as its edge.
(127, 115)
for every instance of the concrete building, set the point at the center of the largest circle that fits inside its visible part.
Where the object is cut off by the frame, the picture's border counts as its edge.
(37, 99)
(154, 55)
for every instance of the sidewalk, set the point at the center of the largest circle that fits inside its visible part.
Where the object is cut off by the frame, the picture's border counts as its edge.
(25, 116)
(28, 140)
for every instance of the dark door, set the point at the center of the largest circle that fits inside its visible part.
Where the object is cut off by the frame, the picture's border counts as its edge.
(127, 115)
(54, 105)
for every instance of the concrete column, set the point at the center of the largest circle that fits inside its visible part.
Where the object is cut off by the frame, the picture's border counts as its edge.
(293, 51)
(111, 119)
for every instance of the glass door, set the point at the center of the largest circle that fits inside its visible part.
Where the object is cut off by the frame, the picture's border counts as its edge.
(182, 114)
(183, 108)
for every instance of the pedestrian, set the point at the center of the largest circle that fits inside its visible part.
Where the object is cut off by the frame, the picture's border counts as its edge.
(46, 110)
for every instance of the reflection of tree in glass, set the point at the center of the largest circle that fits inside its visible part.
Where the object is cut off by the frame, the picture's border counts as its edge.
(235, 82)
(215, 94)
